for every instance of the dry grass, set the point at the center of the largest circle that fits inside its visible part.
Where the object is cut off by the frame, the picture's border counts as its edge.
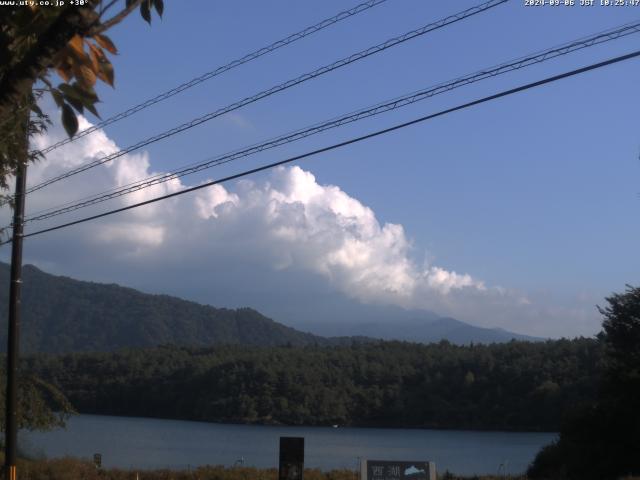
(74, 469)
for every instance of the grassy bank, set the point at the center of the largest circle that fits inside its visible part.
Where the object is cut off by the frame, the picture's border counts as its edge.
(74, 469)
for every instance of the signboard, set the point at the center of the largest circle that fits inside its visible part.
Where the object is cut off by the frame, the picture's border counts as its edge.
(291, 458)
(397, 470)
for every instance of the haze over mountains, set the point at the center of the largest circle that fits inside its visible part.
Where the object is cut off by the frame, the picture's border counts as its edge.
(341, 316)
(61, 314)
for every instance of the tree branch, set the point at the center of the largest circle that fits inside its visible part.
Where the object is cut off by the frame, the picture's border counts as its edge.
(104, 9)
(113, 20)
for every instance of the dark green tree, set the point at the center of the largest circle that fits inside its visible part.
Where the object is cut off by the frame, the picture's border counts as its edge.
(42, 406)
(603, 441)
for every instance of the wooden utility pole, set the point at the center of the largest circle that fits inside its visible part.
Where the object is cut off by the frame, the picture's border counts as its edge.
(11, 418)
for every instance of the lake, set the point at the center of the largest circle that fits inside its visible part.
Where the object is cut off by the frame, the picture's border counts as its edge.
(140, 443)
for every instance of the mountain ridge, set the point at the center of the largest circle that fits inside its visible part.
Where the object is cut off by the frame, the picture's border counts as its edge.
(62, 314)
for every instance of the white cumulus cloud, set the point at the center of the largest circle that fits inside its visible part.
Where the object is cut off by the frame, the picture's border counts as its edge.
(288, 222)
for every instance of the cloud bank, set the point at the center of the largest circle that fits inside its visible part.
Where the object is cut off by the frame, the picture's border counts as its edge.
(286, 223)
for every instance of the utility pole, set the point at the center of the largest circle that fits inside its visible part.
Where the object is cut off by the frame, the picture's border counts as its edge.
(11, 418)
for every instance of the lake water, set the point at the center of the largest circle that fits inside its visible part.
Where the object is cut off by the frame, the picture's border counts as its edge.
(140, 443)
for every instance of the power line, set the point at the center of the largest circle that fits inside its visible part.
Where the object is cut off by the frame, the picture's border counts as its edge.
(278, 88)
(346, 142)
(220, 70)
(521, 62)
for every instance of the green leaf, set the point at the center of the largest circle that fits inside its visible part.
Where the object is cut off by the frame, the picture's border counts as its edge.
(75, 103)
(159, 5)
(80, 97)
(36, 109)
(145, 10)
(106, 72)
(85, 95)
(69, 91)
(69, 120)
(93, 110)
(57, 97)
(106, 43)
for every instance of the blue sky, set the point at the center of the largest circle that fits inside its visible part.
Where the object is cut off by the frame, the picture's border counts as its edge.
(540, 188)
(536, 193)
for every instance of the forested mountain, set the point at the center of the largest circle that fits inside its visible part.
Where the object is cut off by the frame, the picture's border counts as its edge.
(61, 314)
(239, 366)
(65, 315)
(509, 386)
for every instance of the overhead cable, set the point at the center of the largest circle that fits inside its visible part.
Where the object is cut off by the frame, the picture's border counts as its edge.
(344, 143)
(219, 70)
(519, 63)
(278, 88)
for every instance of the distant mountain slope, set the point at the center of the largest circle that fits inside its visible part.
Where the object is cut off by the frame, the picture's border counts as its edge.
(64, 315)
(61, 314)
(394, 323)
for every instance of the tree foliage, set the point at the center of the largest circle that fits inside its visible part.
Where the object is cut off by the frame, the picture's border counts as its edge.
(41, 405)
(603, 442)
(512, 386)
(69, 40)
(36, 40)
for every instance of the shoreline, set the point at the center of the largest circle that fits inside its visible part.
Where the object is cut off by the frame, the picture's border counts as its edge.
(282, 425)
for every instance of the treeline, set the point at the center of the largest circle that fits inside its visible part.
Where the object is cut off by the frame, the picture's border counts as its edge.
(512, 386)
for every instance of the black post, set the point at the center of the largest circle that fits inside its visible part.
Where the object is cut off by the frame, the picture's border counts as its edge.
(291, 465)
(11, 431)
